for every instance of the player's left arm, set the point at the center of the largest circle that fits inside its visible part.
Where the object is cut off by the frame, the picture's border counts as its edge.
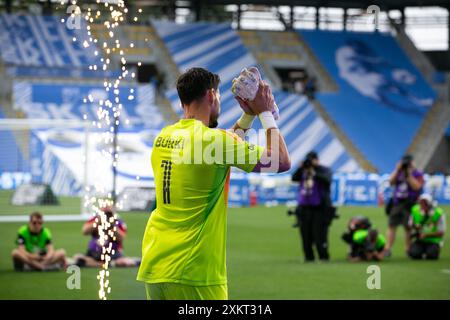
(275, 156)
(245, 122)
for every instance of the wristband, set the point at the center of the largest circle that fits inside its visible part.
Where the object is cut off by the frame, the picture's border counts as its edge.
(267, 120)
(245, 121)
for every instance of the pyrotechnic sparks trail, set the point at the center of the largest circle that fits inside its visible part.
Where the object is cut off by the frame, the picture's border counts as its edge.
(108, 113)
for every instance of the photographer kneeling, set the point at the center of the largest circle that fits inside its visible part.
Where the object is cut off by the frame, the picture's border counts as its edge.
(314, 211)
(366, 243)
(428, 225)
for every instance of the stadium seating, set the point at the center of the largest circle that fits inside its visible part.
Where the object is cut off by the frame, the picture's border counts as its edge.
(382, 97)
(11, 157)
(43, 46)
(219, 48)
(66, 101)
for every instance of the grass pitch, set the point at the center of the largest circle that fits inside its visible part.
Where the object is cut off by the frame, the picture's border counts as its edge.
(67, 205)
(264, 262)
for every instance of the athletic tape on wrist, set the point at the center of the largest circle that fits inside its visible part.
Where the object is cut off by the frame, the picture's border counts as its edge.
(267, 120)
(245, 121)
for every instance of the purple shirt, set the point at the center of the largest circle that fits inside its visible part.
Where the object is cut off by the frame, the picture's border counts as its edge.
(403, 191)
(94, 243)
(310, 192)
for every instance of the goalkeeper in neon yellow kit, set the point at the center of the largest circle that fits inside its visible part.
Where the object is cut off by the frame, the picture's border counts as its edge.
(183, 250)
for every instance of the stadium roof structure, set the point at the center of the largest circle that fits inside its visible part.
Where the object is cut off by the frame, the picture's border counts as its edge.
(384, 4)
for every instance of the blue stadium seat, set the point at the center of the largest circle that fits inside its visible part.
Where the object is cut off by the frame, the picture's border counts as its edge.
(66, 101)
(11, 158)
(43, 46)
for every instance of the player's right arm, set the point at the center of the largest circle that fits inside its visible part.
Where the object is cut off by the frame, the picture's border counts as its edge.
(275, 157)
(21, 246)
(23, 251)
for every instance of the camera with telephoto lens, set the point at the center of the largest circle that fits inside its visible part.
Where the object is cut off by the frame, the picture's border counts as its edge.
(415, 234)
(307, 163)
(406, 162)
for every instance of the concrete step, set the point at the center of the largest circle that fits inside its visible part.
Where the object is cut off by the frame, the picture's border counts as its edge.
(432, 130)
(419, 59)
(436, 121)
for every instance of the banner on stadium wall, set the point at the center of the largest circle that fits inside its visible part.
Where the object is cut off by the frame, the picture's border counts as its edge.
(360, 192)
(79, 101)
(11, 180)
(239, 191)
(287, 193)
(352, 189)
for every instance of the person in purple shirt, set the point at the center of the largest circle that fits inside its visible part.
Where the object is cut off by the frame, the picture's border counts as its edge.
(93, 256)
(407, 183)
(314, 204)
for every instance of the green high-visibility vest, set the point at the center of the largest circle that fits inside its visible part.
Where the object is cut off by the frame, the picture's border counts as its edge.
(360, 237)
(428, 223)
(34, 243)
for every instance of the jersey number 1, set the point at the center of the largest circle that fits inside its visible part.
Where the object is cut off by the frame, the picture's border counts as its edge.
(167, 165)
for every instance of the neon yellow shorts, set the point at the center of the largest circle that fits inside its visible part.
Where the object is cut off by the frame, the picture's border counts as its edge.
(176, 291)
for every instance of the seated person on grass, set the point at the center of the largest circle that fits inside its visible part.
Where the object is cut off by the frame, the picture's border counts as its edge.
(93, 256)
(427, 222)
(367, 245)
(35, 249)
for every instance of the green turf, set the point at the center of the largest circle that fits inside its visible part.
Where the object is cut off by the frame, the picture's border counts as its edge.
(67, 205)
(264, 262)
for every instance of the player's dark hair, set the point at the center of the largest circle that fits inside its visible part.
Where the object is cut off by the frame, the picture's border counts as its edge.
(36, 215)
(193, 84)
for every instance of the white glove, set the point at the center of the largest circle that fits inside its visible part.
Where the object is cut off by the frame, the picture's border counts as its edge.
(246, 86)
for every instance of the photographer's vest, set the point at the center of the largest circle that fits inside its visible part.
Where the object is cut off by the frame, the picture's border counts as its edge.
(360, 237)
(428, 223)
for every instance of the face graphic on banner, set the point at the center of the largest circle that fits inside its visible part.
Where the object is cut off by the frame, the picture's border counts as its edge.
(375, 77)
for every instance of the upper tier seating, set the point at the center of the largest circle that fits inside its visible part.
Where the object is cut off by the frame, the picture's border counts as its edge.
(43, 46)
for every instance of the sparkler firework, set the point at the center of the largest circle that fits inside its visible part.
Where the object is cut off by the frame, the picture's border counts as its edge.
(112, 15)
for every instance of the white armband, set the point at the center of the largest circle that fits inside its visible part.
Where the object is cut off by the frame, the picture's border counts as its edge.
(267, 120)
(245, 121)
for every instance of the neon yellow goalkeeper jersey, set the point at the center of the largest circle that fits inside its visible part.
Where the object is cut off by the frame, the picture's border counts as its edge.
(185, 237)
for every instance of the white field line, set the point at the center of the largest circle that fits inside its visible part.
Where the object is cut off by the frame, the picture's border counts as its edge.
(47, 218)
